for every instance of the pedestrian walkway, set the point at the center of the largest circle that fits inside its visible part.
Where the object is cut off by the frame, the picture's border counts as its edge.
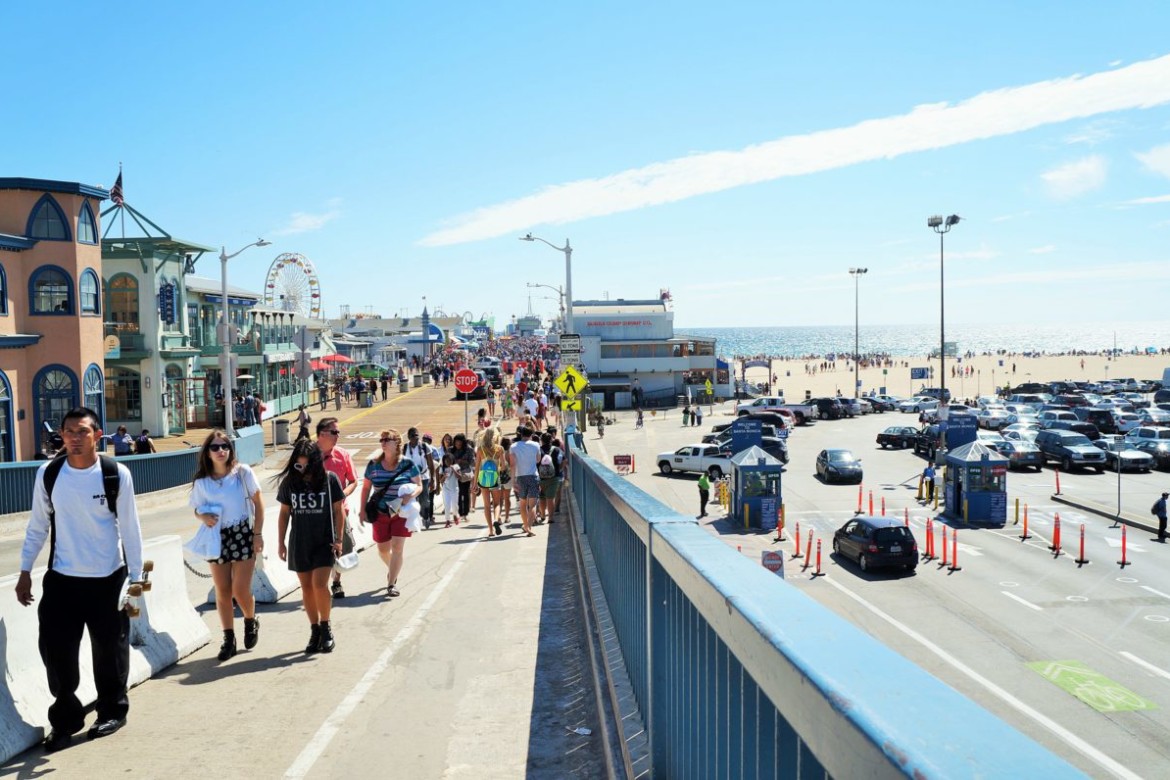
(479, 669)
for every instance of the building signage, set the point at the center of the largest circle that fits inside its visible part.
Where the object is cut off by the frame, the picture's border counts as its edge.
(618, 323)
(570, 342)
(280, 357)
(167, 309)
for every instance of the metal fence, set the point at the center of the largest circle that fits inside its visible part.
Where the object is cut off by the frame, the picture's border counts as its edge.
(157, 471)
(738, 674)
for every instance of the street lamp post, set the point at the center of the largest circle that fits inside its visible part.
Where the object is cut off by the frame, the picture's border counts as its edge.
(568, 250)
(856, 274)
(228, 378)
(942, 226)
(560, 298)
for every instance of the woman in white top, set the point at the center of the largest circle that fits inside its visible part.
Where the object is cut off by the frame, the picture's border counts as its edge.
(220, 493)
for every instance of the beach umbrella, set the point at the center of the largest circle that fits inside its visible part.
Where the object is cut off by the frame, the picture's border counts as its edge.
(336, 359)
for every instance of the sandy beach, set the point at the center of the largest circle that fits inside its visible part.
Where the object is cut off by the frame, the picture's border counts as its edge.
(986, 373)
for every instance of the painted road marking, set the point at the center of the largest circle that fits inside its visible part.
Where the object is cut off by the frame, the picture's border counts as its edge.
(1109, 540)
(317, 744)
(1022, 601)
(1155, 592)
(1146, 664)
(1070, 738)
(1093, 688)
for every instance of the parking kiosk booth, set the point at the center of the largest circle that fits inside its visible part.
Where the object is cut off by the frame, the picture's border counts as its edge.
(755, 489)
(976, 485)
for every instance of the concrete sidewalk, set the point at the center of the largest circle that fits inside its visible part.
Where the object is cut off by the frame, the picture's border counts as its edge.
(479, 669)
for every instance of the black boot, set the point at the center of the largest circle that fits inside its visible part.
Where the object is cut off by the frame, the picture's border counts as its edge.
(228, 648)
(327, 643)
(251, 632)
(314, 639)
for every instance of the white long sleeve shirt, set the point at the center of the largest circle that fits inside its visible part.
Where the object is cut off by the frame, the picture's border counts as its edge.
(90, 539)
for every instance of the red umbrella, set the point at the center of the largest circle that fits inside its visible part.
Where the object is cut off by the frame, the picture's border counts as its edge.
(336, 359)
(318, 365)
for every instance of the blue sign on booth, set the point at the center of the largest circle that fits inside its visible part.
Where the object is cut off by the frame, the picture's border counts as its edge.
(745, 432)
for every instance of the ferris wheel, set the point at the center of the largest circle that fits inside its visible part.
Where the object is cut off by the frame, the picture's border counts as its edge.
(292, 285)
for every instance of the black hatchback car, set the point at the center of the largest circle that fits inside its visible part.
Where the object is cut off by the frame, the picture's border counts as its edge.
(876, 542)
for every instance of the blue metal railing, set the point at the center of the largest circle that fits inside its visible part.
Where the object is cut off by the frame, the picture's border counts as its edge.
(738, 674)
(157, 471)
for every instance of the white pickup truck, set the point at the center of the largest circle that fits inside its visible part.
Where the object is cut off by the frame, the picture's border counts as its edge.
(695, 457)
(775, 404)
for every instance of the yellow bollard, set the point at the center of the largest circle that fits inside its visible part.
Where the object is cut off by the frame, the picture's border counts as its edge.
(1017, 520)
(921, 483)
(964, 511)
(746, 512)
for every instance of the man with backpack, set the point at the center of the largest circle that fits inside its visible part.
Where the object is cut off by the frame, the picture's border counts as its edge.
(550, 470)
(95, 544)
(144, 445)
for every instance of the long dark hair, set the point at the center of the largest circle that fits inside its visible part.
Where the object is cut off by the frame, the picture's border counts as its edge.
(314, 474)
(205, 467)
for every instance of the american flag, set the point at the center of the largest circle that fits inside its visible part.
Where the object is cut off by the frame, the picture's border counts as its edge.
(116, 191)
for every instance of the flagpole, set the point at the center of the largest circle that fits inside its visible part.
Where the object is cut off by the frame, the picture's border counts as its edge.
(121, 208)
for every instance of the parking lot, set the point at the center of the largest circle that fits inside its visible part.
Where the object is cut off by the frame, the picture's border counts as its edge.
(1072, 654)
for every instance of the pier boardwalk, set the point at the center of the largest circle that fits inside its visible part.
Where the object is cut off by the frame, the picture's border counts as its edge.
(477, 670)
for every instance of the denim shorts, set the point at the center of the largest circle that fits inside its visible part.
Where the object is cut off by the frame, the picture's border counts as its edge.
(528, 486)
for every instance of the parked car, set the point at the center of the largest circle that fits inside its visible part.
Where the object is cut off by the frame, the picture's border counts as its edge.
(875, 542)
(827, 408)
(850, 407)
(1020, 432)
(837, 465)
(992, 417)
(897, 436)
(779, 418)
(1070, 449)
(1102, 418)
(1021, 454)
(1143, 432)
(1023, 418)
(1125, 422)
(1118, 451)
(1091, 432)
(1136, 400)
(927, 440)
(777, 448)
(884, 403)
(1158, 450)
(1154, 416)
(719, 432)
(936, 392)
(918, 403)
(697, 458)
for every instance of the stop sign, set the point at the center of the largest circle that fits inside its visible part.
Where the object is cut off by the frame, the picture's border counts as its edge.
(773, 562)
(466, 380)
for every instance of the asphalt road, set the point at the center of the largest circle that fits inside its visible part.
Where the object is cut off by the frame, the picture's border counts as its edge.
(1074, 655)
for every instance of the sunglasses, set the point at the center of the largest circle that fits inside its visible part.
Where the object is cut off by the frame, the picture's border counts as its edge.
(397, 441)
(334, 432)
(217, 447)
(300, 466)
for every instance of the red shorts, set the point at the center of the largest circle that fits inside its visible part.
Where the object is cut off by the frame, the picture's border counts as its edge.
(387, 527)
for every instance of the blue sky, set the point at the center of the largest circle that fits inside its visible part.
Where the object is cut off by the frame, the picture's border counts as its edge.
(744, 155)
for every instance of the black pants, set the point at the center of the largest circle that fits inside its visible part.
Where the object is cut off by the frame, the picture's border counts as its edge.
(426, 507)
(1162, 526)
(704, 497)
(68, 606)
(464, 498)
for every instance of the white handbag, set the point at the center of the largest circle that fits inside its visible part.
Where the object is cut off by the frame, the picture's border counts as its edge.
(347, 562)
(206, 545)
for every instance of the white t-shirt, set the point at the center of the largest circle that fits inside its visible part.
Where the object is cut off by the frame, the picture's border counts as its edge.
(230, 494)
(89, 539)
(527, 455)
(531, 406)
(418, 456)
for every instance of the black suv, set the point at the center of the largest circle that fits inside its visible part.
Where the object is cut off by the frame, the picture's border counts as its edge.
(927, 441)
(877, 541)
(1102, 418)
(827, 408)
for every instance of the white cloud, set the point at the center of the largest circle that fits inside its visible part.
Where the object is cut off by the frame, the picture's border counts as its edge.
(987, 115)
(1075, 178)
(1157, 160)
(1114, 63)
(1147, 201)
(1091, 134)
(304, 222)
(1047, 249)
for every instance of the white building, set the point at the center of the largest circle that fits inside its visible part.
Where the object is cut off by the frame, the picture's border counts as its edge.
(628, 345)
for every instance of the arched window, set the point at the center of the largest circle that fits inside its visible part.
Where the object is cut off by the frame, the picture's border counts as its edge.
(54, 394)
(47, 221)
(90, 292)
(7, 451)
(122, 303)
(123, 395)
(86, 225)
(94, 390)
(50, 291)
(3, 291)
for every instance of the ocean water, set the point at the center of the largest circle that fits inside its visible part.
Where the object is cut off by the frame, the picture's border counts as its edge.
(1052, 339)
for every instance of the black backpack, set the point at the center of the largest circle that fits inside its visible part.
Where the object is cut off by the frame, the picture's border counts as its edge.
(111, 481)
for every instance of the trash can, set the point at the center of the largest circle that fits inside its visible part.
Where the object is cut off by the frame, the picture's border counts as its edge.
(403, 385)
(281, 432)
(426, 378)
(418, 380)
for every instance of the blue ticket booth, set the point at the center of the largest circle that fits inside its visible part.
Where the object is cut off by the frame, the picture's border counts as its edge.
(755, 489)
(975, 485)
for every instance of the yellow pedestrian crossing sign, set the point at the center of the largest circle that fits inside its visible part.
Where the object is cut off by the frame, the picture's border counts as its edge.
(572, 405)
(708, 385)
(570, 382)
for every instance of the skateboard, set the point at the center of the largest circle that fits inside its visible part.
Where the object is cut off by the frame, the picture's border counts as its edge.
(130, 599)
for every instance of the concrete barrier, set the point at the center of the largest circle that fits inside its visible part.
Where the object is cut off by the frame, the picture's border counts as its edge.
(167, 630)
(271, 581)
